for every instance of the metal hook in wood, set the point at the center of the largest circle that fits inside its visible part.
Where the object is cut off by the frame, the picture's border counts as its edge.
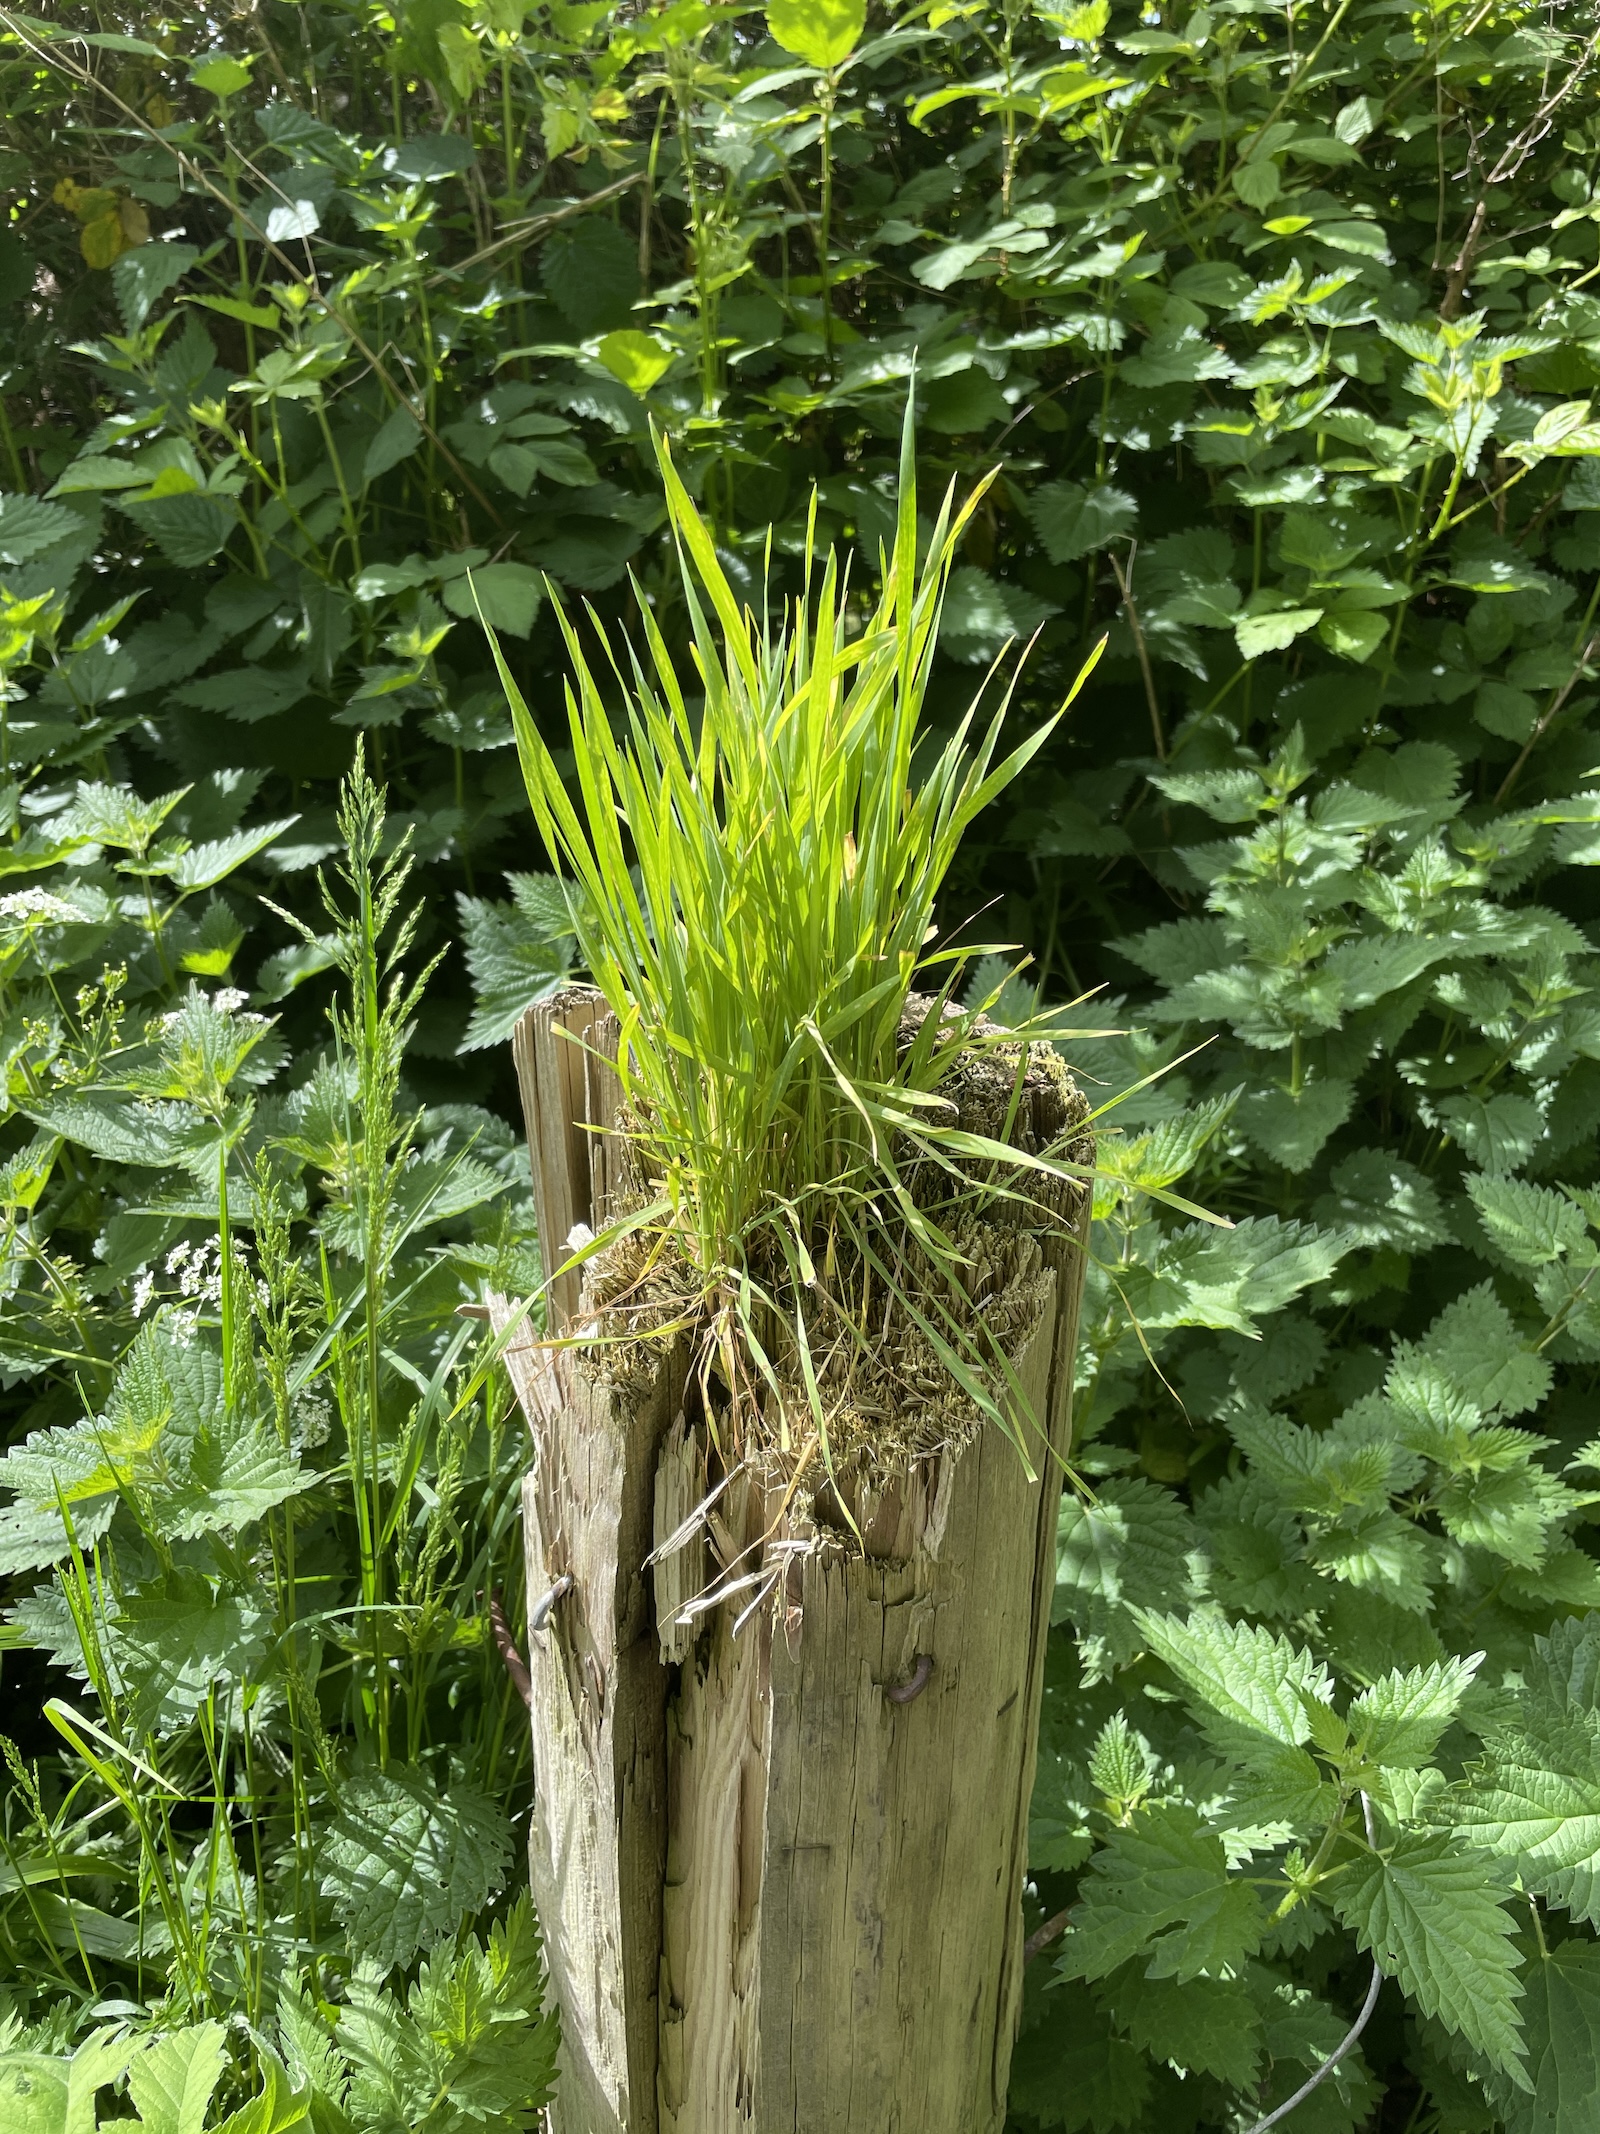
(544, 1606)
(906, 1692)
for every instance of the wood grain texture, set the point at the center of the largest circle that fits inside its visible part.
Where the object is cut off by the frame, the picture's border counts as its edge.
(868, 1847)
(597, 1838)
(779, 1871)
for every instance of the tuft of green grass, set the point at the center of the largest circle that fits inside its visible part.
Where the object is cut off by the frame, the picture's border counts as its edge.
(753, 873)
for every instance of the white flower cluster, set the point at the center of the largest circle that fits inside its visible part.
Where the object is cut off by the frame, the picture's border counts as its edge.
(310, 1420)
(198, 1271)
(27, 905)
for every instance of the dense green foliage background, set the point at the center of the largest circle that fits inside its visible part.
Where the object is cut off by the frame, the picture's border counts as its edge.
(1278, 324)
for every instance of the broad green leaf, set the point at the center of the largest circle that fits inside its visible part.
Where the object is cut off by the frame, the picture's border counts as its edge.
(1162, 1890)
(203, 866)
(1205, 2025)
(1247, 1676)
(403, 1863)
(172, 1647)
(29, 528)
(638, 359)
(1134, 1546)
(517, 954)
(1531, 1225)
(144, 274)
(223, 76)
(1071, 2070)
(1433, 1915)
(1397, 1722)
(1561, 2021)
(1293, 1126)
(1073, 521)
(395, 439)
(1475, 1343)
(172, 2080)
(1273, 629)
(33, 2094)
(1380, 1199)
(821, 32)
(506, 595)
(1201, 1276)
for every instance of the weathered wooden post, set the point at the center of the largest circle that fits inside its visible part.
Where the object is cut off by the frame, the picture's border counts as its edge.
(778, 1839)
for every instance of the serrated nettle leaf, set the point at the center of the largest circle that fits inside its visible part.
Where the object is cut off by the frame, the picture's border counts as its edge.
(172, 2080)
(1247, 1676)
(1133, 1547)
(1202, 1277)
(404, 1862)
(1293, 1126)
(1379, 1199)
(1161, 1890)
(1561, 2023)
(1205, 2026)
(1530, 1224)
(1435, 1917)
(1397, 1722)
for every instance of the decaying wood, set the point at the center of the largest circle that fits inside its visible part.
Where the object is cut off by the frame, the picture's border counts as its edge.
(562, 1050)
(779, 1866)
(597, 1840)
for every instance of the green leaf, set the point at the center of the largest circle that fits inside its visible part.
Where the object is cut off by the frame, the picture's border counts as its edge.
(1205, 2026)
(1202, 1276)
(33, 2094)
(221, 77)
(41, 2094)
(1531, 1225)
(821, 32)
(638, 359)
(1536, 1800)
(1561, 2022)
(1247, 1676)
(1134, 1546)
(1273, 629)
(173, 2080)
(116, 1128)
(280, 2108)
(508, 596)
(144, 274)
(1495, 1133)
(92, 473)
(403, 1864)
(1293, 1126)
(1398, 1721)
(517, 954)
(471, 2039)
(29, 528)
(591, 268)
(1071, 2071)
(1380, 1199)
(1475, 1344)
(1433, 1916)
(173, 1646)
(395, 439)
(203, 866)
(1073, 521)
(1161, 1889)
(190, 529)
